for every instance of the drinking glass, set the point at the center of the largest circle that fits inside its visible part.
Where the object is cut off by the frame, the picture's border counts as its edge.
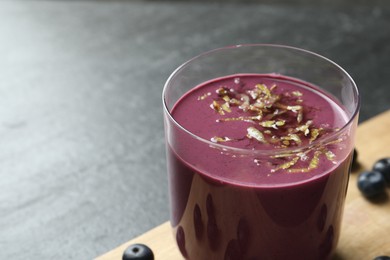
(219, 217)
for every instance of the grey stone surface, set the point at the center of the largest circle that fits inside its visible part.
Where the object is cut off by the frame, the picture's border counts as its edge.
(82, 162)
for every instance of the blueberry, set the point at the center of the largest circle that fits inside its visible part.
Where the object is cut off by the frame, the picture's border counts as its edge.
(355, 157)
(382, 257)
(371, 183)
(138, 252)
(383, 166)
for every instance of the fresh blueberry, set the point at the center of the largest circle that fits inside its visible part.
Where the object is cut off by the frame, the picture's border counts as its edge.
(382, 257)
(355, 158)
(371, 183)
(383, 166)
(138, 252)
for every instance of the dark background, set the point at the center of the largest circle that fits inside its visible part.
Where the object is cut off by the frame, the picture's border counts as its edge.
(82, 163)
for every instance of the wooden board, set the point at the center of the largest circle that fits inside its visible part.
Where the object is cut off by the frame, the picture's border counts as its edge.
(366, 224)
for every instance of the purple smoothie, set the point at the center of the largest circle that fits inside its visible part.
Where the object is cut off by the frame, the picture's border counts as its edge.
(267, 195)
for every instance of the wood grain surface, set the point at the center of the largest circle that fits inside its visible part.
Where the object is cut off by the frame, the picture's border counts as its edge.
(365, 229)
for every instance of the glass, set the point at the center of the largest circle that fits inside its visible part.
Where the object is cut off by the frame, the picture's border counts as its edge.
(225, 217)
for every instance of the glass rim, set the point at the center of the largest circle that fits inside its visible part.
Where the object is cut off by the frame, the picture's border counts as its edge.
(262, 151)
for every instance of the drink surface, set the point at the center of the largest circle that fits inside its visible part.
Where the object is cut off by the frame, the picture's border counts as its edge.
(268, 113)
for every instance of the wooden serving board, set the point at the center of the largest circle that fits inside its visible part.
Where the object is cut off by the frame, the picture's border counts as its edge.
(365, 230)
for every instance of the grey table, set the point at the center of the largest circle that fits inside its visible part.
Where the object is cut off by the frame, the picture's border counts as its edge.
(82, 164)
